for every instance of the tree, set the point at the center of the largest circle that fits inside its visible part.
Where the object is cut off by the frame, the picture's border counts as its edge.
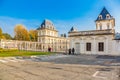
(7, 36)
(21, 33)
(33, 35)
(1, 34)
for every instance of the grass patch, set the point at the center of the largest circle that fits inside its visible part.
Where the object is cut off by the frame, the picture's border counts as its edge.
(12, 53)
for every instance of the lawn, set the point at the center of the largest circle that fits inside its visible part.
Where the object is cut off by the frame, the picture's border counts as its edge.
(11, 53)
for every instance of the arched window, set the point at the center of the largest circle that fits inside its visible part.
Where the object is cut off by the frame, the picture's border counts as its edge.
(100, 26)
(48, 32)
(108, 26)
(40, 46)
(51, 33)
(41, 32)
(48, 40)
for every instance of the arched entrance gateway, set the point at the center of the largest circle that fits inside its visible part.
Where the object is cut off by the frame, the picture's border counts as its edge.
(77, 48)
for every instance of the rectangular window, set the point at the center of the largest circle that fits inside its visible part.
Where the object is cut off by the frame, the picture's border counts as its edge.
(101, 46)
(88, 46)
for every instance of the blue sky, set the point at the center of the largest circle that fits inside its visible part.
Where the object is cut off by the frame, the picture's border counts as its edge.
(63, 13)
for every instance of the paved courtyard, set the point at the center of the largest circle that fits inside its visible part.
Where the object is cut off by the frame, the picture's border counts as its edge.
(60, 67)
(102, 60)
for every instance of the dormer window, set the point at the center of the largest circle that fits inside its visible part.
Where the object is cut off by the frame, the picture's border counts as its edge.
(50, 27)
(107, 16)
(100, 17)
(43, 26)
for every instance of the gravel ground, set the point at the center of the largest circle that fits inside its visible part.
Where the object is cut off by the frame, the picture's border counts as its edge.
(29, 70)
(60, 67)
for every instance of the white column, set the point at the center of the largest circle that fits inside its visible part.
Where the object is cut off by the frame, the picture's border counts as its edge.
(106, 45)
(35, 46)
(25, 45)
(94, 47)
(82, 46)
(29, 45)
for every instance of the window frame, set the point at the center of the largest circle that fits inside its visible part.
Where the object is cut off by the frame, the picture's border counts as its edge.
(107, 16)
(88, 46)
(100, 17)
(101, 46)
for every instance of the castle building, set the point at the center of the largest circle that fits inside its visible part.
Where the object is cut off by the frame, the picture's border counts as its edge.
(48, 36)
(100, 41)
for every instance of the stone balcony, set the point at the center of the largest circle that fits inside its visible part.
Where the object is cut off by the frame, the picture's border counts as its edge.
(91, 32)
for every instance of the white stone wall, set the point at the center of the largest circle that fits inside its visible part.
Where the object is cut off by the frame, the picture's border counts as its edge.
(104, 24)
(116, 47)
(111, 47)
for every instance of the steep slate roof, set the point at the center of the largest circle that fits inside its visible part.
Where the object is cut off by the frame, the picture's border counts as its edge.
(103, 13)
(72, 29)
(38, 28)
(44, 23)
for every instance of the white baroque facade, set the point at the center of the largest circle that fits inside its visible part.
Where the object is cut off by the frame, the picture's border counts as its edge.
(100, 41)
(48, 36)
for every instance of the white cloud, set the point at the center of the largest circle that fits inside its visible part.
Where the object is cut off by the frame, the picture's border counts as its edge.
(7, 24)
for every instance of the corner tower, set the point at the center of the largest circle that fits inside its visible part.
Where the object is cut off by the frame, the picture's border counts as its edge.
(105, 21)
(46, 29)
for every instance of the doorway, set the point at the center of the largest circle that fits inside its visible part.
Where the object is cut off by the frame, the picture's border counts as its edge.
(77, 48)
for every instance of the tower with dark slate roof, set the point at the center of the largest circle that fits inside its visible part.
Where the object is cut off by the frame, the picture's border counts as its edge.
(105, 21)
(47, 24)
(49, 39)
